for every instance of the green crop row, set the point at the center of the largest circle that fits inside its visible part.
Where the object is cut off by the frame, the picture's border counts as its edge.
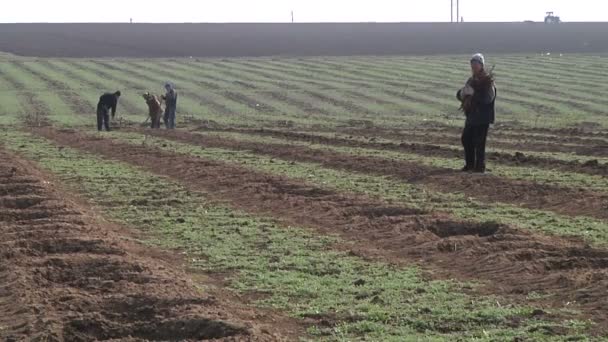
(414, 196)
(290, 268)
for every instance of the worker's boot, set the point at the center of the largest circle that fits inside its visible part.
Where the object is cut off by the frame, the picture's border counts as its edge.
(467, 168)
(480, 168)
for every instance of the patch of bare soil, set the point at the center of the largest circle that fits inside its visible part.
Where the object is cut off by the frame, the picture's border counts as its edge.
(66, 277)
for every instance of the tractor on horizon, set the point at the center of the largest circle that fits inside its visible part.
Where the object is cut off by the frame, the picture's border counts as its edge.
(552, 19)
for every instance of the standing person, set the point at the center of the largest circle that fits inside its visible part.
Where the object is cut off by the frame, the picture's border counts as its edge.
(106, 102)
(478, 97)
(170, 106)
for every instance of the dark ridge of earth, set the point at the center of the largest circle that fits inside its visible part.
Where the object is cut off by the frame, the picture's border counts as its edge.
(318, 39)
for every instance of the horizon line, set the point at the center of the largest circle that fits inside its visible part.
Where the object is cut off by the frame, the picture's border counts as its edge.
(302, 22)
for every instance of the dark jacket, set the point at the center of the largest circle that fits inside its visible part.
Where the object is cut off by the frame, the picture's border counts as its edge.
(171, 99)
(108, 101)
(481, 110)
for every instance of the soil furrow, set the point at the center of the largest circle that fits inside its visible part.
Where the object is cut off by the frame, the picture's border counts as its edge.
(499, 132)
(74, 279)
(509, 159)
(527, 142)
(522, 142)
(453, 248)
(488, 188)
(589, 149)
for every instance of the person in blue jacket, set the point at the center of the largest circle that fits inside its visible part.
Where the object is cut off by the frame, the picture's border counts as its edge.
(170, 98)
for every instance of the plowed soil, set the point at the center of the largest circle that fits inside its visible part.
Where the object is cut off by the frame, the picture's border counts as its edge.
(508, 260)
(581, 143)
(431, 149)
(64, 276)
(299, 39)
(488, 188)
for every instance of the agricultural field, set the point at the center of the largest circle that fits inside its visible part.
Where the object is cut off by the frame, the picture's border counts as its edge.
(309, 198)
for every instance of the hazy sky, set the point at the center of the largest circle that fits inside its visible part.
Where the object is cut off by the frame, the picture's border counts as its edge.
(305, 10)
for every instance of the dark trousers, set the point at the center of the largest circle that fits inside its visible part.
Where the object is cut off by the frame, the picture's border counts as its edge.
(103, 118)
(474, 143)
(155, 122)
(169, 118)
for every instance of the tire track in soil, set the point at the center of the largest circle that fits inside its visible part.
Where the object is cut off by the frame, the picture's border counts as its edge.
(510, 261)
(516, 159)
(129, 107)
(66, 277)
(67, 95)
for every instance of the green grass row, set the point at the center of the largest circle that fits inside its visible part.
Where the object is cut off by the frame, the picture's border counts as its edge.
(291, 268)
(414, 196)
(425, 96)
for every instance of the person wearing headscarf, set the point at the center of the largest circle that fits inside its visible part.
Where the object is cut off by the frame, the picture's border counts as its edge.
(477, 98)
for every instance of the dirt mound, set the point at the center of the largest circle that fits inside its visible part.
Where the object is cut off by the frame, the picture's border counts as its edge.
(66, 278)
(510, 261)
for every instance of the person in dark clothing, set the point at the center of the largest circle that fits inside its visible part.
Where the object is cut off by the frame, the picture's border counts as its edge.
(477, 97)
(107, 102)
(170, 106)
